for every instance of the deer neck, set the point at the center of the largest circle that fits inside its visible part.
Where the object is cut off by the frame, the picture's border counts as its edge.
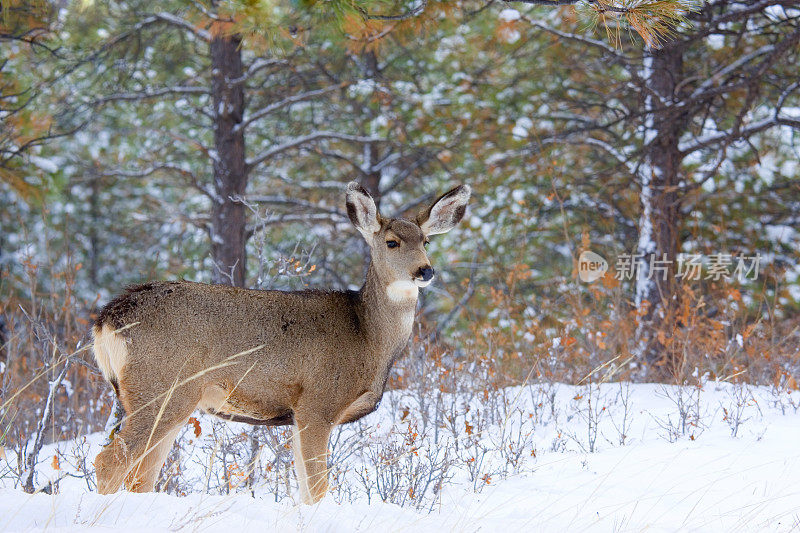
(387, 312)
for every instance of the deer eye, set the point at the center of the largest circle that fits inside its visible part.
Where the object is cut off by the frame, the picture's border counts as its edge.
(392, 244)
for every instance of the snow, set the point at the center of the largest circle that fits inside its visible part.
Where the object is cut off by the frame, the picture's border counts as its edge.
(780, 13)
(448, 45)
(363, 87)
(646, 473)
(779, 233)
(509, 15)
(792, 113)
(715, 41)
(646, 244)
(510, 35)
(48, 165)
(740, 340)
(522, 127)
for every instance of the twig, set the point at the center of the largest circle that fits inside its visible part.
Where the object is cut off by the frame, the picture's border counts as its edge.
(43, 423)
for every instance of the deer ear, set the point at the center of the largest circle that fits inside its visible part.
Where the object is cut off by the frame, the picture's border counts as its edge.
(362, 211)
(446, 211)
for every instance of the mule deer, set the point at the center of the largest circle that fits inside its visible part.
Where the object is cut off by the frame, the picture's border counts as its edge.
(311, 358)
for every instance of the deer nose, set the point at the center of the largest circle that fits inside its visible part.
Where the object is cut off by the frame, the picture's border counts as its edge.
(426, 273)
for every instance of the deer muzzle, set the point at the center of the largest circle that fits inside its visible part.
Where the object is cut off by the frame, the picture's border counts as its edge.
(424, 276)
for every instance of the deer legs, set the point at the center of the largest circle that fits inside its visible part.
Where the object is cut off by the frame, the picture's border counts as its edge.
(362, 406)
(138, 451)
(310, 445)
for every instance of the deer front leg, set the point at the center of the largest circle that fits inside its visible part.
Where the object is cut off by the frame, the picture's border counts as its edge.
(362, 406)
(310, 445)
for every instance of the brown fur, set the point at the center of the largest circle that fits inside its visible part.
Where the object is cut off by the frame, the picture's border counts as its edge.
(310, 358)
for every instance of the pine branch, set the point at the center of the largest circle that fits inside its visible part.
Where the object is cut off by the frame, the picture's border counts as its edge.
(312, 137)
(148, 94)
(403, 16)
(264, 111)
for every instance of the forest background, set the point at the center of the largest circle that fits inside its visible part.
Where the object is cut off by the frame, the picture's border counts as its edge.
(211, 141)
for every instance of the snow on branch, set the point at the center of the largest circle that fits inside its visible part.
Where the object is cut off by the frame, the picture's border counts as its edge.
(784, 95)
(312, 185)
(258, 65)
(44, 422)
(285, 200)
(575, 37)
(741, 134)
(179, 22)
(264, 111)
(732, 67)
(311, 137)
(545, 2)
(276, 220)
(191, 176)
(341, 157)
(147, 94)
(616, 154)
(411, 13)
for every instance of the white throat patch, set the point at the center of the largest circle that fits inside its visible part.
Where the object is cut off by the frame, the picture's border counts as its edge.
(407, 320)
(402, 290)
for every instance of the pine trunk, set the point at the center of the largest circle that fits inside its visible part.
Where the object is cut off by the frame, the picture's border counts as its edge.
(656, 287)
(228, 214)
(372, 180)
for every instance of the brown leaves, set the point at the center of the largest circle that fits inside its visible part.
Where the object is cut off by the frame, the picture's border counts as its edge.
(196, 425)
(784, 381)
(25, 17)
(364, 34)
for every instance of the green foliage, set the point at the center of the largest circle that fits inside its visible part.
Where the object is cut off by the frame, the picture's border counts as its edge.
(520, 108)
(655, 21)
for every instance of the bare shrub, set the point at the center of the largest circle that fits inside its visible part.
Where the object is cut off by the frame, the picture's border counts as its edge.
(688, 421)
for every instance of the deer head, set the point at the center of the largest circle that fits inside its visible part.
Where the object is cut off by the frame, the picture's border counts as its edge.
(397, 244)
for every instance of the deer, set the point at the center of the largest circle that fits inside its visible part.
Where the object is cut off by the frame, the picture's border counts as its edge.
(312, 359)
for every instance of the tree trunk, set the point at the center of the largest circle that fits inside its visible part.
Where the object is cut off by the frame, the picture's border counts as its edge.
(228, 215)
(94, 223)
(372, 180)
(3, 332)
(656, 287)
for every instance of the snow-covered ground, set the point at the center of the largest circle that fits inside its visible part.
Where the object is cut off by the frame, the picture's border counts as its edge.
(719, 458)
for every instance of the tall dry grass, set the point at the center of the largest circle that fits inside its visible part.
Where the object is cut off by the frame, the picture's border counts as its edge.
(587, 336)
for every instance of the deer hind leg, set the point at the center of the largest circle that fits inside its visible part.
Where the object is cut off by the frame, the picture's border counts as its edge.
(139, 449)
(111, 466)
(310, 445)
(143, 477)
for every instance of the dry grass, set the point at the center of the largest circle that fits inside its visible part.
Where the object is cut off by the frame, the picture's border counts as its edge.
(587, 337)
